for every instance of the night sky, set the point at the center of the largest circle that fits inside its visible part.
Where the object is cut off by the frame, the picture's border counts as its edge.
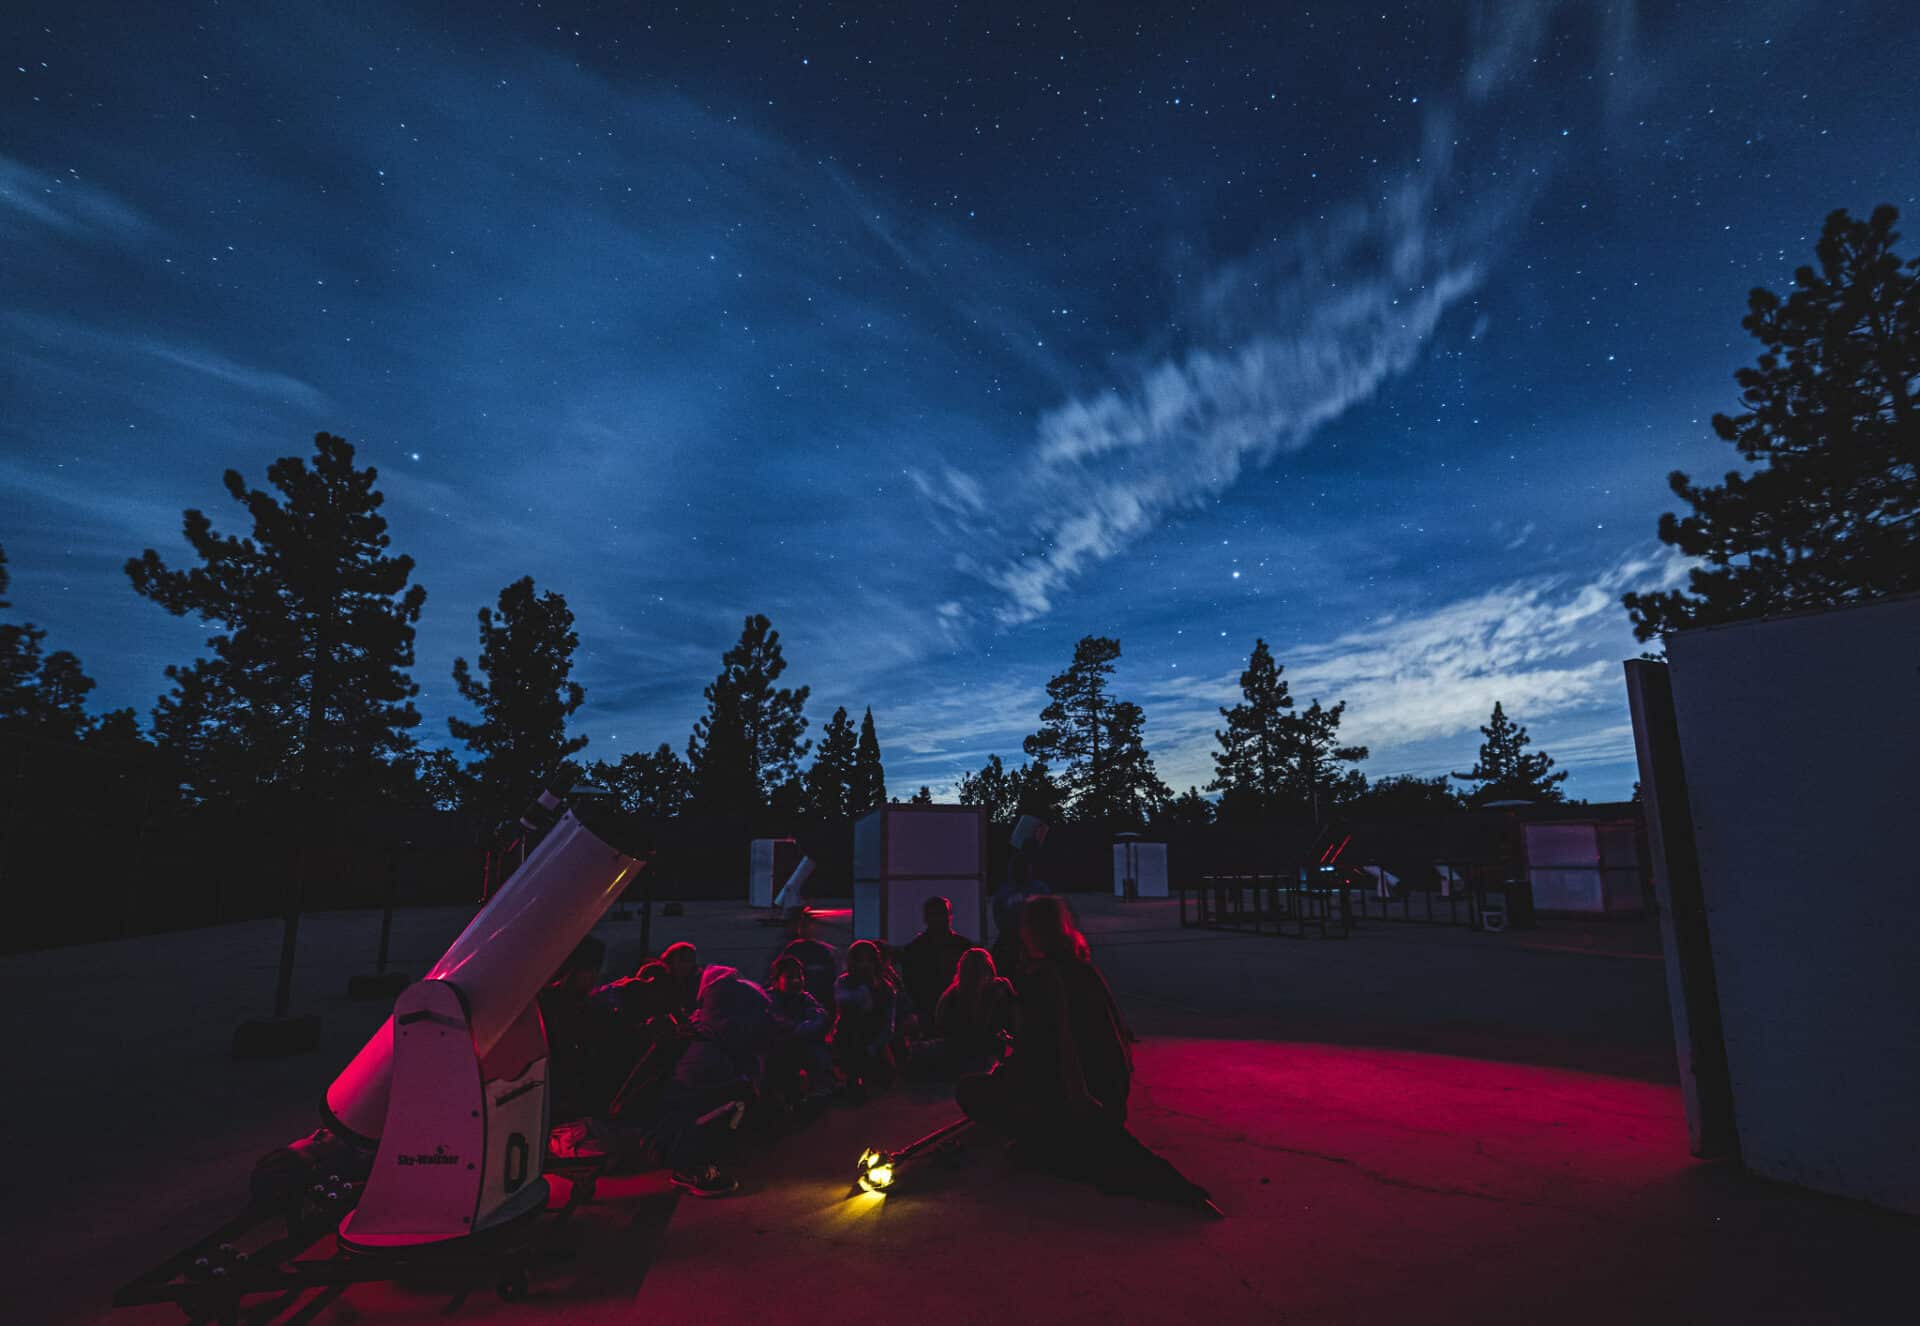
(943, 335)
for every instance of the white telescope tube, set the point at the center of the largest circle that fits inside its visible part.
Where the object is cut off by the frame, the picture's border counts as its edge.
(790, 891)
(1028, 829)
(501, 960)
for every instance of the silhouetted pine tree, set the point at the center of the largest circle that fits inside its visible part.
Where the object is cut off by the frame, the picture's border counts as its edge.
(747, 747)
(990, 788)
(1405, 795)
(43, 695)
(830, 780)
(1037, 792)
(869, 786)
(1134, 793)
(656, 782)
(440, 781)
(1506, 770)
(1097, 741)
(1008, 794)
(924, 797)
(1314, 776)
(307, 688)
(1833, 513)
(1252, 765)
(526, 652)
(1189, 810)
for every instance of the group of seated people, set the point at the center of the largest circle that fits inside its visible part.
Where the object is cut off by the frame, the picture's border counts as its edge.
(667, 1063)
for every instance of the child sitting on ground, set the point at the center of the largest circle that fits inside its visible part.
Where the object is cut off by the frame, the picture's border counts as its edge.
(865, 998)
(718, 1074)
(974, 1016)
(799, 1066)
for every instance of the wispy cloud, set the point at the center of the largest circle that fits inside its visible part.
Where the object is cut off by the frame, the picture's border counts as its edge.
(1275, 347)
(67, 344)
(1301, 334)
(1544, 648)
(65, 204)
(962, 726)
(259, 381)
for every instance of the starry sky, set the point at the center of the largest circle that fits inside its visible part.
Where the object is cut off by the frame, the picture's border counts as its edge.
(944, 335)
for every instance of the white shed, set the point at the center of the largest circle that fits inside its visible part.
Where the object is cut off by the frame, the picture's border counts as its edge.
(903, 855)
(1139, 867)
(1584, 865)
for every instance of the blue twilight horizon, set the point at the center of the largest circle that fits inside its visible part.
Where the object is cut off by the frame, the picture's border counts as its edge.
(941, 336)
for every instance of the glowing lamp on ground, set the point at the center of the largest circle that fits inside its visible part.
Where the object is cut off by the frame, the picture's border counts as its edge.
(876, 1171)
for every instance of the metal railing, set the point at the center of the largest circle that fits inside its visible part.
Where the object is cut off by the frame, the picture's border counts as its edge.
(1282, 905)
(1330, 903)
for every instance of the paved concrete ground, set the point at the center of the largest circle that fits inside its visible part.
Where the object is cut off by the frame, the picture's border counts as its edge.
(1415, 1124)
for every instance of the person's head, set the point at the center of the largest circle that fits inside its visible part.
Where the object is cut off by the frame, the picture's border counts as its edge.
(680, 960)
(652, 972)
(581, 971)
(863, 961)
(789, 977)
(938, 915)
(974, 970)
(1049, 932)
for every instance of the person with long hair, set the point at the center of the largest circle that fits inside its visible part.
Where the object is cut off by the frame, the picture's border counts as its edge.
(974, 1015)
(1061, 1096)
(865, 998)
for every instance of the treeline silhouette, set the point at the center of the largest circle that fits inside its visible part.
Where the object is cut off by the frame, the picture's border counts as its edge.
(282, 768)
(283, 764)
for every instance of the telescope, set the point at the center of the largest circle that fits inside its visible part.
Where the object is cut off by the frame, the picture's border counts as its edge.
(449, 1096)
(790, 895)
(434, 1145)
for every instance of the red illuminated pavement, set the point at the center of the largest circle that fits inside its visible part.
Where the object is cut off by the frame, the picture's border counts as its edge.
(1438, 1166)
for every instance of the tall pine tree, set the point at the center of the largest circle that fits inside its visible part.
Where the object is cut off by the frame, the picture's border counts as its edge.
(307, 688)
(869, 786)
(1252, 765)
(1507, 770)
(1832, 420)
(1314, 777)
(1097, 741)
(830, 781)
(747, 747)
(526, 652)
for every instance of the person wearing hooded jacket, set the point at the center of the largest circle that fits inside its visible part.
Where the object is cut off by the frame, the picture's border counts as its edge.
(718, 1073)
